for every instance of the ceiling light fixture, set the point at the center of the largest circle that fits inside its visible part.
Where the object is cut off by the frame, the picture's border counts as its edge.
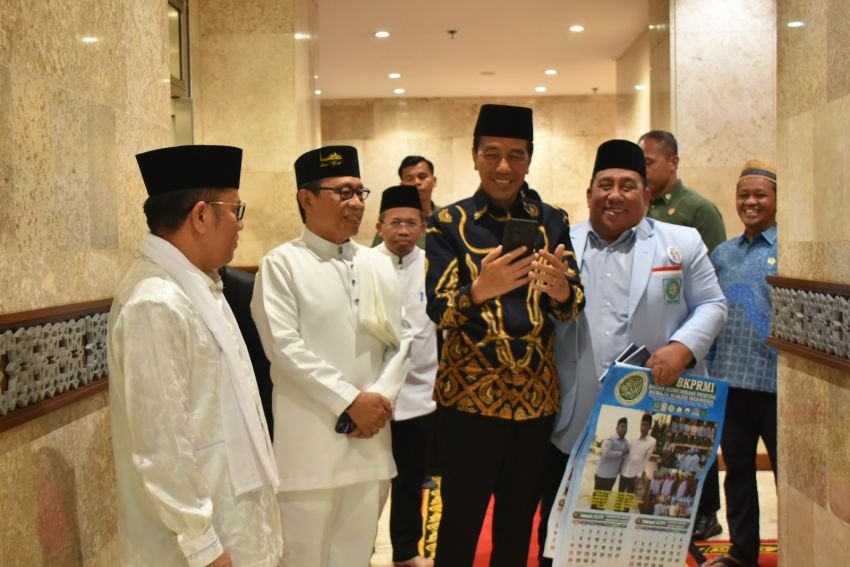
(540, 89)
(640, 87)
(89, 39)
(300, 36)
(394, 75)
(399, 91)
(577, 28)
(795, 24)
(382, 34)
(551, 71)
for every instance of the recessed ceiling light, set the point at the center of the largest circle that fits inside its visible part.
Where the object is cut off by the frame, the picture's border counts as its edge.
(795, 24)
(399, 91)
(551, 71)
(540, 89)
(382, 34)
(300, 36)
(394, 75)
(317, 92)
(576, 28)
(640, 87)
(89, 39)
(315, 76)
(652, 27)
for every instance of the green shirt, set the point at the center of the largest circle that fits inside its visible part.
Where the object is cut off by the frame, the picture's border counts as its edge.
(686, 207)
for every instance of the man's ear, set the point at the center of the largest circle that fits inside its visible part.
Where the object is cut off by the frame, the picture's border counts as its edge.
(305, 199)
(378, 226)
(200, 216)
(474, 161)
(675, 161)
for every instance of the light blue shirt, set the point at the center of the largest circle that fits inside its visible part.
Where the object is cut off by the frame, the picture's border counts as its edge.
(740, 354)
(606, 273)
(612, 456)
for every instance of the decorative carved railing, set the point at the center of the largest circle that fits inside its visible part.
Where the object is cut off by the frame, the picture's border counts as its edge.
(50, 358)
(811, 319)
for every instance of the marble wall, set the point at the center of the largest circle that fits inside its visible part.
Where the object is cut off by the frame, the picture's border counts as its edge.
(633, 105)
(813, 63)
(659, 64)
(72, 116)
(567, 131)
(253, 88)
(723, 93)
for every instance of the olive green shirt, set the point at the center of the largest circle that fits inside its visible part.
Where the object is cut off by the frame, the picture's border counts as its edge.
(686, 207)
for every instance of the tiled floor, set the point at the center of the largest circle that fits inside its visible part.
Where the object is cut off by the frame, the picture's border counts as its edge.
(767, 494)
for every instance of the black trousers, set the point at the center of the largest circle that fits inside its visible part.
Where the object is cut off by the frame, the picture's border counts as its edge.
(709, 500)
(411, 440)
(484, 456)
(555, 466)
(749, 415)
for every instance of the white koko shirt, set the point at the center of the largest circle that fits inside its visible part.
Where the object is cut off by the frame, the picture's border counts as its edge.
(305, 306)
(176, 503)
(417, 395)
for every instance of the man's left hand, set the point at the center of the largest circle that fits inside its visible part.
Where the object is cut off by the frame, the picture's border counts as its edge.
(549, 274)
(669, 362)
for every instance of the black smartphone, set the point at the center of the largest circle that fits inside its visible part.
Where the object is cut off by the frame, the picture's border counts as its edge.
(344, 424)
(519, 232)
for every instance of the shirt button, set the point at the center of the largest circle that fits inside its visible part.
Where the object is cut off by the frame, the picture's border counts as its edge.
(607, 333)
(607, 304)
(608, 275)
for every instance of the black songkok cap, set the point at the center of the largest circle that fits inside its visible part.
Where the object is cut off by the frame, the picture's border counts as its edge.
(620, 154)
(400, 196)
(504, 121)
(622, 421)
(329, 161)
(190, 167)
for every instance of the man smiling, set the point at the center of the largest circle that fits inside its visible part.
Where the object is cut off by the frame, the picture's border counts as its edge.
(496, 389)
(328, 312)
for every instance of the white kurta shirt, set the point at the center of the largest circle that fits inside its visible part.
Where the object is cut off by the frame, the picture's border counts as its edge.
(176, 504)
(305, 307)
(416, 397)
(639, 452)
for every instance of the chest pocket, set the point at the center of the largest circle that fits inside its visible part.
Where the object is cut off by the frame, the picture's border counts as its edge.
(667, 283)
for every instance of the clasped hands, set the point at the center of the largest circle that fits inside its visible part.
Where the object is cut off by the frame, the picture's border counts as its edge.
(370, 412)
(502, 273)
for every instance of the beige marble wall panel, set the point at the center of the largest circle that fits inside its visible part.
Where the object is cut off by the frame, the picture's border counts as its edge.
(659, 63)
(804, 260)
(831, 148)
(726, 111)
(803, 426)
(248, 96)
(145, 74)
(838, 52)
(61, 463)
(271, 217)
(796, 177)
(100, 163)
(797, 513)
(838, 457)
(8, 22)
(801, 56)
(343, 117)
(731, 15)
(255, 17)
(717, 184)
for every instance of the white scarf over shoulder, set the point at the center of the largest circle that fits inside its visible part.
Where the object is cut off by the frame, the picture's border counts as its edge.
(249, 454)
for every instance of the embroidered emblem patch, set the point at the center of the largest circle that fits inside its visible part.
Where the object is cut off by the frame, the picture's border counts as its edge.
(672, 290)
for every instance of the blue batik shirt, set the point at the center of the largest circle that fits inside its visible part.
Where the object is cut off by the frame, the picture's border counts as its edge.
(740, 354)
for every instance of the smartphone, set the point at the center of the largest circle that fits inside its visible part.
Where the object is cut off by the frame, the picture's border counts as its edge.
(519, 232)
(344, 424)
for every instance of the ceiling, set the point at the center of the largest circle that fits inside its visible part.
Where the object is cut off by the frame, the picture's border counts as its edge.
(500, 47)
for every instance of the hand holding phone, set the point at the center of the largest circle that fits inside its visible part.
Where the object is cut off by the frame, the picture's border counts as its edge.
(520, 232)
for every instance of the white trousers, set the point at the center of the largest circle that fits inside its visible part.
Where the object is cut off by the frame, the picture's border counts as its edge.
(333, 527)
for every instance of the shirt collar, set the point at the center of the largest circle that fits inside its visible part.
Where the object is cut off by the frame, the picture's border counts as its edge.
(327, 249)
(769, 236)
(405, 261)
(670, 194)
(522, 207)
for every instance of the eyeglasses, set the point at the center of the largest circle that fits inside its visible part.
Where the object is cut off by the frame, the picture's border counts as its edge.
(346, 192)
(240, 207)
(396, 224)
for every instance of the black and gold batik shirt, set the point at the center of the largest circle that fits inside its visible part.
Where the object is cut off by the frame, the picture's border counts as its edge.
(497, 358)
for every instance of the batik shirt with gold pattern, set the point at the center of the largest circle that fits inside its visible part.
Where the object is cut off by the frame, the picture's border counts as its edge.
(497, 357)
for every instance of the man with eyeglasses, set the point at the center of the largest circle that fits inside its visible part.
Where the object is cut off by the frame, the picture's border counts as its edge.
(401, 221)
(497, 389)
(328, 312)
(195, 467)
